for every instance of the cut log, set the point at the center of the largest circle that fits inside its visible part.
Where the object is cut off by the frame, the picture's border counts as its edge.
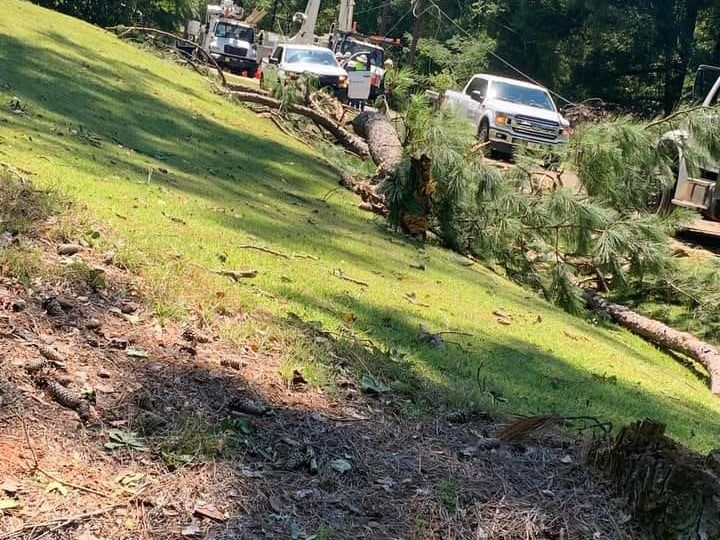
(382, 139)
(663, 335)
(670, 491)
(350, 141)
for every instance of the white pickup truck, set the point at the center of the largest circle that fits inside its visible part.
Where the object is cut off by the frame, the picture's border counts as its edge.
(508, 112)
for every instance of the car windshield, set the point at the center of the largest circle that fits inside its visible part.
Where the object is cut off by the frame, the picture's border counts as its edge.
(234, 31)
(375, 55)
(311, 56)
(514, 93)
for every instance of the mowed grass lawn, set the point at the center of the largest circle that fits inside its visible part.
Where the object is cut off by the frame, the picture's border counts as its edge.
(233, 179)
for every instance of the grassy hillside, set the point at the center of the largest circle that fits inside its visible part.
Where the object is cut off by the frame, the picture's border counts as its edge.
(100, 114)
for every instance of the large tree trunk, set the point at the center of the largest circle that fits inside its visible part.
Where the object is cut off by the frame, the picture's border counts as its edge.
(343, 136)
(415, 221)
(670, 491)
(382, 139)
(662, 335)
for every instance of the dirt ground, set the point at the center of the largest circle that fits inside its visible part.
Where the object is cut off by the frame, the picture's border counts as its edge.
(133, 430)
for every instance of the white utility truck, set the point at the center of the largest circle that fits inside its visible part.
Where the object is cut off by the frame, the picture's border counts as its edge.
(701, 191)
(291, 60)
(228, 39)
(509, 112)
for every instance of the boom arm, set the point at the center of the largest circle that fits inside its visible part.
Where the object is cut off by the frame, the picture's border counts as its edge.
(345, 17)
(306, 34)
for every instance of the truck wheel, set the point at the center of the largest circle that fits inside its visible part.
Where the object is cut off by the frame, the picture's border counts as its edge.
(251, 72)
(484, 137)
(660, 195)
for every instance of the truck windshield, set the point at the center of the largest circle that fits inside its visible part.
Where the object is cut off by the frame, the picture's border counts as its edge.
(234, 31)
(534, 97)
(310, 56)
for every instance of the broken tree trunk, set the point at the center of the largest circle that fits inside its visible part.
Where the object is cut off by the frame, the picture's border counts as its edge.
(343, 136)
(671, 492)
(382, 139)
(662, 335)
(372, 201)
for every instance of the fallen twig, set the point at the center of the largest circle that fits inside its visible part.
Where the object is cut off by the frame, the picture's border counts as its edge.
(264, 250)
(61, 522)
(236, 275)
(39, 469)
(338, 273)
(173, 218)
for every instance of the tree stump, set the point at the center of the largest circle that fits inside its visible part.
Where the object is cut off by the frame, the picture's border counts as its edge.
(671, 492)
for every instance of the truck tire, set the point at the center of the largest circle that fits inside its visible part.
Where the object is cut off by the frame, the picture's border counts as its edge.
(484, 137)
(660, 196)
(252, 71)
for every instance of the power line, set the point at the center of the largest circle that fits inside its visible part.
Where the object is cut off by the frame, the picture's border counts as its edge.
(495, 55)
(394, 26)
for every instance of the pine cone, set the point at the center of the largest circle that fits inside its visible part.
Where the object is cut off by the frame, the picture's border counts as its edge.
(248, 406)
(52, 306)
(232, 363)
(296, 460)
(50, 353)
(189, 334)
(36, 365)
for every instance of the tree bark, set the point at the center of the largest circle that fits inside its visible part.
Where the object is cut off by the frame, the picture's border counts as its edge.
(662, 335)
(343, 136)
(670, 491)
(382, 140)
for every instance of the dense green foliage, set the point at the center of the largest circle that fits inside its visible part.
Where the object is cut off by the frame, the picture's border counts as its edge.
(550, 236)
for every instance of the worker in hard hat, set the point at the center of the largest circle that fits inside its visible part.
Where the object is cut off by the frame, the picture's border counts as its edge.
(359, 63)
(388, 64)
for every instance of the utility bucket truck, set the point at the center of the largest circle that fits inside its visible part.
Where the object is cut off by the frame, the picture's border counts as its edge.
(343, 40)
(228, 39)
(699, 191)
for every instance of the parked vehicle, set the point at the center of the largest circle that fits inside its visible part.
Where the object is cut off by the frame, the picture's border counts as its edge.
(228, 39)
(291, 60)
(350, 42)
(702, 192)
(509, 112)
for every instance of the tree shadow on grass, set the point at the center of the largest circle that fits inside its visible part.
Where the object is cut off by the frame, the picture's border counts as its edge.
(513, 374)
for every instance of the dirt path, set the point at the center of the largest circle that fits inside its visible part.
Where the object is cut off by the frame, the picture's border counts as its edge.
(195, 439)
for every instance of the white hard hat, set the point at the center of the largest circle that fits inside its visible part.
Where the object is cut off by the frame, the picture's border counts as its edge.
(362, 58)
(388, 63)
(347, 55)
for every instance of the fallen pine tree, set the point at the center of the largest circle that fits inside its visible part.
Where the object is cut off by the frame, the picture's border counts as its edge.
(348, 140)
(662, 335)
(382, 139)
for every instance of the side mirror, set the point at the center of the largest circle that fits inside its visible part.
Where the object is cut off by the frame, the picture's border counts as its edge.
(477, 95)
(272, 60)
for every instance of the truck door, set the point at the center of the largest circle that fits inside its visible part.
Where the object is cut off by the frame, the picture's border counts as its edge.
(475, 94)
(700, 193)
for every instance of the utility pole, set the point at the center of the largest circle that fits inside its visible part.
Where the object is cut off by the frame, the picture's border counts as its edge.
(418, 7)
(273, 15)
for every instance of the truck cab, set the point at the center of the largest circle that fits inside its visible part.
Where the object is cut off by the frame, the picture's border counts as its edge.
(229, 40)
(347, 42)
(509, 112)
(700, 191)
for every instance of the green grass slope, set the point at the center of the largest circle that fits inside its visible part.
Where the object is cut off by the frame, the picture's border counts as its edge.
(234, 179)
